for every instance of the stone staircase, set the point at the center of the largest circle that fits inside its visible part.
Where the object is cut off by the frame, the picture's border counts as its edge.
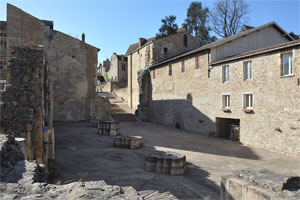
(121, 111)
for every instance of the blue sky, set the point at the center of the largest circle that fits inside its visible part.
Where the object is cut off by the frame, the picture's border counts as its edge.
(112, 25)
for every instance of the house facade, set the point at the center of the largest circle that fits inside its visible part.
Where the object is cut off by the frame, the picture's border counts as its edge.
(150, 51)
(252, 96)
(118, 68)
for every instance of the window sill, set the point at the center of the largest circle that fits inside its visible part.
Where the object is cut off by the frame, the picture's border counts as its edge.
(286, 76)
(226, 109)
(248, 110)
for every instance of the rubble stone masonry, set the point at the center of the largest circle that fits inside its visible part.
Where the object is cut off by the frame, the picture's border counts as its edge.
(22, 102)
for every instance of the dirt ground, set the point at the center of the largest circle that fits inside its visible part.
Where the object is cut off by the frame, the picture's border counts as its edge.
(82, 154)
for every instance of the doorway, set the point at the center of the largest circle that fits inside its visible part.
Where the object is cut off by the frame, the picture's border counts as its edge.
(228, 128)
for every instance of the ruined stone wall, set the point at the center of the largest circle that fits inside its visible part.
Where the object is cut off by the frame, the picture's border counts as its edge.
(192, 101)
(174, 44)
(22, 102)
(72, 63)
(136, 62)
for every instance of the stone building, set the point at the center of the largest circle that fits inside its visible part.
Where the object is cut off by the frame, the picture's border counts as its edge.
(3, 49)
(150, 51)
(118, 68)
(245, 87)
(72, 66)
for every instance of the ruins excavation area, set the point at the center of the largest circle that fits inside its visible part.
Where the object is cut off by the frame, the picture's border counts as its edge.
(168, 124)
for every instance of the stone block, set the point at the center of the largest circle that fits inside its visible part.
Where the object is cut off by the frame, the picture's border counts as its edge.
(130, 142)
(165, 162)
(108, 128)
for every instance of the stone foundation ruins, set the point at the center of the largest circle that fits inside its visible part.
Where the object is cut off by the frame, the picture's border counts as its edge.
(129, 142)
(259, 185)
(26, 105)
(165, 162)
(22, 179)
(109, 128)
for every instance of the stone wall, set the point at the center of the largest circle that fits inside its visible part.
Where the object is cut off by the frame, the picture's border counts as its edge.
(72, 63)
(191, 100)
(151, 54)
(23, 102)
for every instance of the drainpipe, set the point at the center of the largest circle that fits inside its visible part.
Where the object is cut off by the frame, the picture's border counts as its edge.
(130, 80)
(208, 68)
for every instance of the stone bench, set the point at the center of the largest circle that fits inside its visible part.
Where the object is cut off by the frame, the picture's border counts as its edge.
(130, 142)
(165, 162)
(109, 128)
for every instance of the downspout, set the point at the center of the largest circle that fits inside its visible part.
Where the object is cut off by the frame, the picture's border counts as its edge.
(208, 68)
(131, 80)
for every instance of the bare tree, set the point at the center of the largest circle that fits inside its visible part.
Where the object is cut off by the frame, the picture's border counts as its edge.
(228, 16)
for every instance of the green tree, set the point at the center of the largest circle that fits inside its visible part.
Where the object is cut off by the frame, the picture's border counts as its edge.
(293, 35)
(105, 76)
(196, 23)
(168, 27)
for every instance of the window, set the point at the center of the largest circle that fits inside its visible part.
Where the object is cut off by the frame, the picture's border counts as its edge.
(2, 45)
(2, 65)
(225, 73)
(248, 101)
(197, 62)
(185, 41)
(247, 70)
(165, 52)
(226, 100)
(153, 74)
(287, 64)
(170, 69)
(182, 66)
(123, 67)
(2, 35)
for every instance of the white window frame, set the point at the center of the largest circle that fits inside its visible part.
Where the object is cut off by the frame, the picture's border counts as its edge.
(225, 74)
(224, 101)
(248, 70)
(250, 100)
(290, 70)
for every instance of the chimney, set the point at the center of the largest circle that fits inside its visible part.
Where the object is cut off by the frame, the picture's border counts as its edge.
(142, 41)
(83, 37)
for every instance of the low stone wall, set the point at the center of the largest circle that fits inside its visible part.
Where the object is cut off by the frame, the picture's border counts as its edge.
(122, 93)
(259, 185)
